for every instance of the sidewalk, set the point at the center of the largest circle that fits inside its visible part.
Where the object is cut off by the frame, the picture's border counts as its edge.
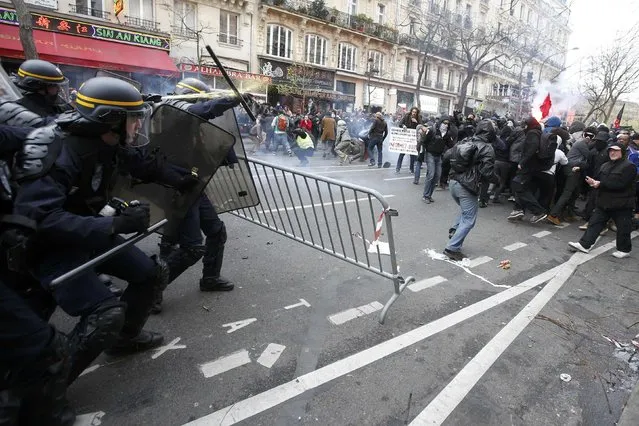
(630, 413)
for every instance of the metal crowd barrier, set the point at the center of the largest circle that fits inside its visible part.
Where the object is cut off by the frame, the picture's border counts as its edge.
(341, 219)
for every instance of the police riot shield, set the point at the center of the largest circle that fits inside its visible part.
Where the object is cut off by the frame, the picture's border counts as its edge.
(181, 143)
(232, 187)
(8, 91)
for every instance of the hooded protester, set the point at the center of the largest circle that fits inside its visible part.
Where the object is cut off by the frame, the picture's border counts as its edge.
(471, 161)
(526, 182)
(450, 134)
(342, 141)
(376, 136)
(576, 130)
(615, 183)
(552, 123)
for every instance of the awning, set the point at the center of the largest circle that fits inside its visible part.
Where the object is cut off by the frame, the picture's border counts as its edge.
(86, 52)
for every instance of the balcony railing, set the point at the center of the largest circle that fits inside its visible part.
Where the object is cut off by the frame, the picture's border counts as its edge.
(334, 16)
(409, 79)
(451, 88)
(229, 39)
(439, 85)
(84, 10)
(428, 83)
(475, 93)
(184, 32)
(142, 23)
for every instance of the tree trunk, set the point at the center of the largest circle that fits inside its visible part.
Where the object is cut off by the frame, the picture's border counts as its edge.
(421, 67)
(463, 90)
(610, 108)
(26, 29)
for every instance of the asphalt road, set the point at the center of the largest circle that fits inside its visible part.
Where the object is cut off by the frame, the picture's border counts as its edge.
(463, 345)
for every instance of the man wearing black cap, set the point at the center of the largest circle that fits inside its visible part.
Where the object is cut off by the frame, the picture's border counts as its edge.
(615, 200)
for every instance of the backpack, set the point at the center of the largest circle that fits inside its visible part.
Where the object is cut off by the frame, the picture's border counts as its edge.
(547, 146)
(462, 156)
(282, 123)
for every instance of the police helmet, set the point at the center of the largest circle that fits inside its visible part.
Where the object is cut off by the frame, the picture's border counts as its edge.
(191, 85)
(109, 100)
(35, 74)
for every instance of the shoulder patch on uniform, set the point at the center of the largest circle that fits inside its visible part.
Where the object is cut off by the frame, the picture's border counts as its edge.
(41, 148)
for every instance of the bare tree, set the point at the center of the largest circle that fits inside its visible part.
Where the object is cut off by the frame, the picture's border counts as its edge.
(478, 47)
(611, 73)
(300, 78)
(425, 33)
(26, 29)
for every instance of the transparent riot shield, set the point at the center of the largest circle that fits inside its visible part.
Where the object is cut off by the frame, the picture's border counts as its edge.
(180, 142)
(8, 91)
(232, 187)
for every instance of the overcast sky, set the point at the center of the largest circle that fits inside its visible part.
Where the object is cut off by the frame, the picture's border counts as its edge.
(594, 24)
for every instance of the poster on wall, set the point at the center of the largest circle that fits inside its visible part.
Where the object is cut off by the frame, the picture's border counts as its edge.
(403, 141)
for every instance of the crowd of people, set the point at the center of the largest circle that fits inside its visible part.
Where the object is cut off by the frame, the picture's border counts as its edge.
(545, 167)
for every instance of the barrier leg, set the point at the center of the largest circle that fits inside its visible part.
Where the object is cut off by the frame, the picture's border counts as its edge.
(400, 285)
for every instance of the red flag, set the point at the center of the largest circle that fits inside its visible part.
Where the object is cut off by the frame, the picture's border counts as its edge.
(618, 119)
(545, 107)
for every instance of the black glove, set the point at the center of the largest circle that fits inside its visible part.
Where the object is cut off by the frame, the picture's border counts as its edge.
(133, 219)
(152, 97)
(186, 182)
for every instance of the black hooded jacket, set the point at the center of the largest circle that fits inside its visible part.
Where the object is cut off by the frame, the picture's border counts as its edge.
(529, 162)
(617, 185)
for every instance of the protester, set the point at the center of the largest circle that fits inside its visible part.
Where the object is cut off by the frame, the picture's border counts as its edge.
(376, 136)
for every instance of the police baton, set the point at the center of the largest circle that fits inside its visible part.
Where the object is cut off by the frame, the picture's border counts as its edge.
(106, 255)
(230, 83)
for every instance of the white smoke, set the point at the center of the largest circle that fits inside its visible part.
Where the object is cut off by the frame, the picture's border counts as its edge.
(562, 94)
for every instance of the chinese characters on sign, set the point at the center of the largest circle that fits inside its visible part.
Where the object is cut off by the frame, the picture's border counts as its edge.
(69, 26)
(283, 73)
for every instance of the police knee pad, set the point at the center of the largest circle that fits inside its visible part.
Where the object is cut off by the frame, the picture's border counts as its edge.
(159, 279)
(100, 328)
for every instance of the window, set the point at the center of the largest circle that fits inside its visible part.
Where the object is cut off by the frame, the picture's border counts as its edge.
(229, 26)
(279, 41)
(352, 7)
(91, 8)
(377, 62)
(411, 26)
(142, 9)
(440, 71)
(427, 75)
(409, 67)
(346, 54)
(529, 18)
(184, 14)
(315, 50)
(449, 84)
(381, 11)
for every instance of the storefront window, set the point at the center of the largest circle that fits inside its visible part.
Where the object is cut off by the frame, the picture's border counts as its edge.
(444, 106)
(346, 57)
(315, 50)
(279, 41)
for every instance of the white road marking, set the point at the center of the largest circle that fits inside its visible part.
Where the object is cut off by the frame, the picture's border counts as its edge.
(427, 283)
(225, 363)
(401, 178)
(435, 255)
(302, 303)
(271, 354)
(515, 246)
(308, 206)
(90, 419)
(478, 261)
(90, 369)
(171, 346)
(350, 314)
(270, 398)
(542, 234)
(453, 394)
(238, 324)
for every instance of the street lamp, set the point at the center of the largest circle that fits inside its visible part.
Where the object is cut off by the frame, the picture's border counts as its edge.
(370, 72)
(541, 68)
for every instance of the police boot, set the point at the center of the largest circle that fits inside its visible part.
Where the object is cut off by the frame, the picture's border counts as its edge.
(143, 341)
(212, 281)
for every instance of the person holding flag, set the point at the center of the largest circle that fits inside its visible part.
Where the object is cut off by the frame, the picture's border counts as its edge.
(617, 122)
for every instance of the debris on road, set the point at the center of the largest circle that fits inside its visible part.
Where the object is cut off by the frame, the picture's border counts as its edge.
(565, 377)
(505, 264)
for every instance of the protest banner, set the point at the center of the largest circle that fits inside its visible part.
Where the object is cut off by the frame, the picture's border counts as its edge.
(403, 141)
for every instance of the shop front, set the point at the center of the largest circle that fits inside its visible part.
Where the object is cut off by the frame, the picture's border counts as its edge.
(246, 82)
(83, 47)
(302, 87)
(405, 100)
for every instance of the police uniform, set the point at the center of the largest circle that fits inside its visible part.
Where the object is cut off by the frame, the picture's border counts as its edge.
(201, 217)
(65, 174)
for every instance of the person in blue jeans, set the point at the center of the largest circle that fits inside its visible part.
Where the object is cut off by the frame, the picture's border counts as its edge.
(471, 161)
(433, 146)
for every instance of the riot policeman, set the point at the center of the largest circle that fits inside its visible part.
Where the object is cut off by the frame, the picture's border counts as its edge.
(202, 216)
(42, 83)
(65, 174)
